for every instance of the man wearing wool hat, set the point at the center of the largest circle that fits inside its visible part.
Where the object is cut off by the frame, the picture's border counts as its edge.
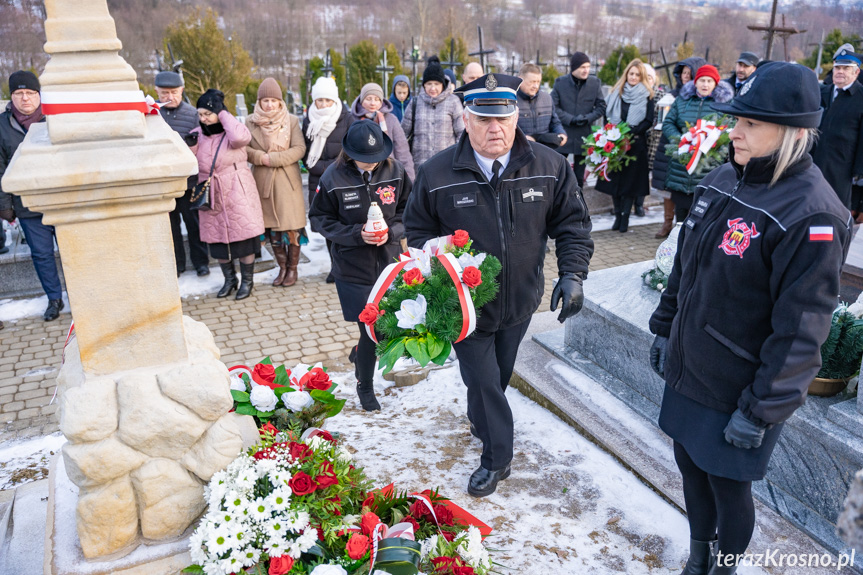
(578, 101)
(23, 111)
(183, 118)
(839, 151)
(510, 195)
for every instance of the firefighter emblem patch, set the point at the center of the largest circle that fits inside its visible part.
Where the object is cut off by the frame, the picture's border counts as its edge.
(387, 194)
(738, 237)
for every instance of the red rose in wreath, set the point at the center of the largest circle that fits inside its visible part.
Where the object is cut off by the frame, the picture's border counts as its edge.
(265, 374)
(358, 546)
(444, 515)
(463, 570)
(444, 564)
(316, 378)
(368, 523)
(269, 428)
(299, 451)
(327, 476)
(460, 238)
(471, 277)
(370, 314)
(420, 511)
(280, 565)
(609, 146)
(302, 484)
(413, 277)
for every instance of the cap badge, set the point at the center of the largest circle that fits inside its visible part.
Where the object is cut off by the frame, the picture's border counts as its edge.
(746, 86)
(491, 83)
(372, 140)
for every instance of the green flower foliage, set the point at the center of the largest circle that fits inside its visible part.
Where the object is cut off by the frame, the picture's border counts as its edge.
(842, 352)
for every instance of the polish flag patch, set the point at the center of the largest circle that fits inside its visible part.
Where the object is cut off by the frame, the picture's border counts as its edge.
(820, 233)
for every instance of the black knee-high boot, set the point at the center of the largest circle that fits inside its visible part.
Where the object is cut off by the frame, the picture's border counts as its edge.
(625, 207)
(617, 215)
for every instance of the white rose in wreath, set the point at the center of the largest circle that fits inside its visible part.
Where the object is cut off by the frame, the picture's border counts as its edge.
(329, 570)
(613, 134)
(263, 398)
(297, 400)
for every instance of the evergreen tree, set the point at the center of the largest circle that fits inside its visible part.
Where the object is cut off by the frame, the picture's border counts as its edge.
(832, 41)
(459, 56)
(617, 62)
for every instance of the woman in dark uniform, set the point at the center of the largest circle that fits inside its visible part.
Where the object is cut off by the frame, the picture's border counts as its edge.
(363, 173)
(748, 305)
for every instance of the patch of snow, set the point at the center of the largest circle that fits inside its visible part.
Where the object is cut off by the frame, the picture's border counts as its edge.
(32, 454)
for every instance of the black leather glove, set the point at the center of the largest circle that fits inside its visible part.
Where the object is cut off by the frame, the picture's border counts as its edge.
(8, 215)
(191, 139)
(569, 288)
(743, 433)
(579, 120)
(657, 355)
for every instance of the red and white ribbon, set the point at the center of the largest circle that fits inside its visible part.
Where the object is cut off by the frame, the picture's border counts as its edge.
(453, 268)
(104, 101)
(601, 169)
(699, 140)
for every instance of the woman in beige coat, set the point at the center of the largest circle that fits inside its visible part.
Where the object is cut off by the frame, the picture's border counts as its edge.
(276, 149)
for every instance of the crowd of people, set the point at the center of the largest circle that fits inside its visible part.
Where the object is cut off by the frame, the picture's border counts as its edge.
(491, 158)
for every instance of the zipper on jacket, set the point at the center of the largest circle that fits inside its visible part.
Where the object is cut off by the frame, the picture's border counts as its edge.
(698, 250)
(500, 228)
(511, 213)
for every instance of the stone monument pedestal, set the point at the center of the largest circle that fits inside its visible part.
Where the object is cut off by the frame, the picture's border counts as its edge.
(819, 450)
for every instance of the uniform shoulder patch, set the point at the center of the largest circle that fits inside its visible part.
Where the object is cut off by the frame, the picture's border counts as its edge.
(820, 233)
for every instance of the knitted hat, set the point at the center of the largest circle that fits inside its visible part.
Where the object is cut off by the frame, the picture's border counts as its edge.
(780, 93)
(213, 100)
(168, 79)
(434, 71)
(269, 88)
(708, 71)
(24, 80)
(325, 88)
(450, 75)
(369, 89)
(577, 61)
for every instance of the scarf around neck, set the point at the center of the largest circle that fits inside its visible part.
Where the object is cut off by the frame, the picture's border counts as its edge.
(27, 121)
(212, 129)
(636, 96)
(322, 122)
(274, 125)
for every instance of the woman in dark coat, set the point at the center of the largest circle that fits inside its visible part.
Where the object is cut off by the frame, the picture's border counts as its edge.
(324, 127)
(630, 101)
(364, 173)
(693, 103)
(747, 308)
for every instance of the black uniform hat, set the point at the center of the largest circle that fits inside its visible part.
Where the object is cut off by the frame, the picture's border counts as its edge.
(366, 142)
(169, 79)
(491, 95)
(24, 80)
(780, 93)
(845, 56)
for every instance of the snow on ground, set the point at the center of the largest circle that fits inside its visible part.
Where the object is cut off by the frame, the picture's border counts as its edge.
(568, 507)
(191, 286)
(25, 461)
(603, 221)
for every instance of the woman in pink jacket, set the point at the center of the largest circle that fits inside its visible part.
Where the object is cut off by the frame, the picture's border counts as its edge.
(235, 222)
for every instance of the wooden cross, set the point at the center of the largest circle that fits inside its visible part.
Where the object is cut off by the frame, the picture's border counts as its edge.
(384, 69)
(481, 53)
(414, 58)
(667, 66)
(451, 63)
(539, 62)
(568, 56)
(513, 71)
(773, 30)
(328, 69)
(818, 68)
(650, 52)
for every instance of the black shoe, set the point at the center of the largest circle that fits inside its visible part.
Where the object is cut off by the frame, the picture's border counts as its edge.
(624, 223)
(330, 278)
(231, 282)
(616, 225)
(352, 357)
(202, 271)
(53, 310)
(366, 393)
(473, 431)
(180, 271)
(701, 557)
(639, 211)
(483, 482)
(247, 280)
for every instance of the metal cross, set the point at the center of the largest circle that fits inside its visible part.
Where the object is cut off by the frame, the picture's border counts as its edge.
(539, 62)
(651, 52)
(481, 53)
(668, 67)
(384, 69)
(328, 69)
(347, 74)
(452, 63)
(773, 30)
(568, 56)
(513, 71)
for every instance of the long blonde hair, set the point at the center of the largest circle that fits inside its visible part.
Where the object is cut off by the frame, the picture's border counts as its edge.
(791, 148)
(621, 82)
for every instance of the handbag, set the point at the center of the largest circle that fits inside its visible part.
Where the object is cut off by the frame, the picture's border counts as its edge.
(200, 199)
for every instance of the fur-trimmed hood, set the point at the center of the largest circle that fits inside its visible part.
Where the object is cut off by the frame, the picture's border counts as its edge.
(721, 94)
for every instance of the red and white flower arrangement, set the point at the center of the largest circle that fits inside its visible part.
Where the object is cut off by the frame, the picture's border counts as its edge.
(605, 150)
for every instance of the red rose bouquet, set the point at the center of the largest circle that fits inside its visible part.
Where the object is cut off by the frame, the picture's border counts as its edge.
(429, 300)
(605, 150)
(294, 400)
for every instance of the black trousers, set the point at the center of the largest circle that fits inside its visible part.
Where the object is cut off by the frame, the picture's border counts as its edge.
(197, 249)
(682, 204)
(578, 168)
(486, 360)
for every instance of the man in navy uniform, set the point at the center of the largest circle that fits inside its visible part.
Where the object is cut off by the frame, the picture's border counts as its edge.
(510, 195)
(839, 150)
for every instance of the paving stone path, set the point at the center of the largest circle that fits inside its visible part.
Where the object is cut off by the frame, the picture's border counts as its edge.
(300, 323)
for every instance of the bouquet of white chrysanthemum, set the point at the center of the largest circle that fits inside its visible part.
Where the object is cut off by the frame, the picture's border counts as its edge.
(250, 521)
(466, 550)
